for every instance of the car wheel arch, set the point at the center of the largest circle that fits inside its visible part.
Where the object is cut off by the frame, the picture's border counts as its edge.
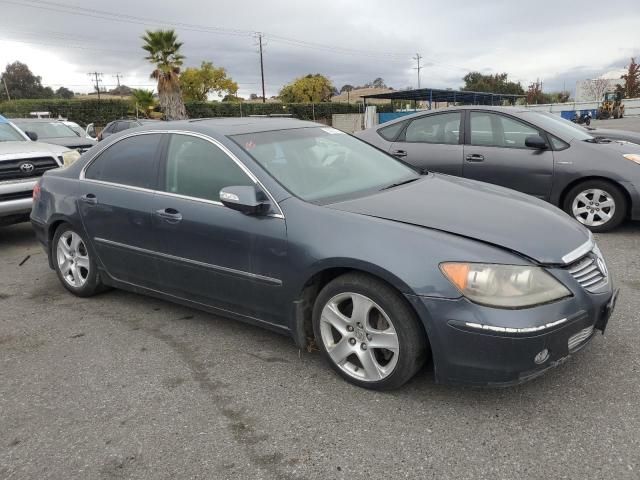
(301, 319)
(567, 188)
(53, 225)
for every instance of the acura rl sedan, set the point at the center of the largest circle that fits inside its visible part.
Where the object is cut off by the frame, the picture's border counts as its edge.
(593, 178)
(315, 234)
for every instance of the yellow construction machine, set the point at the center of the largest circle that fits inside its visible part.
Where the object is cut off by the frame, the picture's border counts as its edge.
(612, 106)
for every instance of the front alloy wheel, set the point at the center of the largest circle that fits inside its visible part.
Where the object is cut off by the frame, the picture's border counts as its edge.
(359, 337)
(368, 332)
(599, 205)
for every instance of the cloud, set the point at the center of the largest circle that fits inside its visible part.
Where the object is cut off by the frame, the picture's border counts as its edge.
(351, 42)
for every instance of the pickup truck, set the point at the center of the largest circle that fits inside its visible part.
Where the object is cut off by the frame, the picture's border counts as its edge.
(22, 163)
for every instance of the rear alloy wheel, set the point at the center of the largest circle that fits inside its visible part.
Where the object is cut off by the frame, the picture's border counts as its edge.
(368, 333)
(74, 262)
(597, 204)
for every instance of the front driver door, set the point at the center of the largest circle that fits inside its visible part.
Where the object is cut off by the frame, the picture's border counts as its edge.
(209, 253)
(495, 152)
(115, 204)
(432, 142)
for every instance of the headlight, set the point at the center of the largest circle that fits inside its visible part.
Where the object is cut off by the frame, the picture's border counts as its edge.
(634, 157)
(504, 286)
(69, 157)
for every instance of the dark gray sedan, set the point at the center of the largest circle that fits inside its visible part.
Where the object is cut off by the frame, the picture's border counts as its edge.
(312, 233)
(594, 179)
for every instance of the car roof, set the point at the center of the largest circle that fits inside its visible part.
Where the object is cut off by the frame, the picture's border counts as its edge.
(234, 125)
(35, 120)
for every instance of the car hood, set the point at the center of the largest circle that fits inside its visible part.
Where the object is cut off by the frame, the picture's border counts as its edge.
(11, 149)
(479, 211)
(71, 142)
(616, 134)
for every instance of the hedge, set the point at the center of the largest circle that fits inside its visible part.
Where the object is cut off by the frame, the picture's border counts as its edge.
(101, 112)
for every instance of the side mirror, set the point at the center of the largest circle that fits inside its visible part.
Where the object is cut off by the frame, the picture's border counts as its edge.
(91, 130)
(536, 141)
(32, 135)
(248, 200)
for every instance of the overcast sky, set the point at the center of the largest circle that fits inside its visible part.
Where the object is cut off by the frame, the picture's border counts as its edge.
(558, 41)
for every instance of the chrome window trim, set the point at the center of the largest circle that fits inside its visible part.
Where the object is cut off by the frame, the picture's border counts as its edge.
(207, 138)
(232, 271)
(582, 250)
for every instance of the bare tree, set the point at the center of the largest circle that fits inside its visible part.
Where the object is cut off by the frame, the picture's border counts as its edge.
(597, 87)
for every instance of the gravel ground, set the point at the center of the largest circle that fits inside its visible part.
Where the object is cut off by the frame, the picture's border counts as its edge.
(125, 386)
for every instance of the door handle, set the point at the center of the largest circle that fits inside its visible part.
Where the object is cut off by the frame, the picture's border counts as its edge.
(399, 153)
(89, 198)
(171, 215)
(475, 157)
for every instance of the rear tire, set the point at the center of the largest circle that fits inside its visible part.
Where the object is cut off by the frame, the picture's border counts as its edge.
(368, 333)
(599, 205)
(74, 262)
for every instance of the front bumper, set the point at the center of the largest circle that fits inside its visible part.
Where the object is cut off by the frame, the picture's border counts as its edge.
(464, 354)
(15, 197)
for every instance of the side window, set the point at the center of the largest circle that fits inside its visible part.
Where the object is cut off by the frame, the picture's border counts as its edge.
(495, 130)
(132, 161)
(197, 168)
(390, 133)
(440, 128)
(557, 143)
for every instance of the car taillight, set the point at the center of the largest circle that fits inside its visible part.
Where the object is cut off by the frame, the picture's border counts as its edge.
(36, 191)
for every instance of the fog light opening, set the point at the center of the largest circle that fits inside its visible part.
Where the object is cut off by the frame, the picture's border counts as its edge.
(541, 357)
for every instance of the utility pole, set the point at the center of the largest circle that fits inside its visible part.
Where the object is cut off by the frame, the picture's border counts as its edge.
(118, 76)
(97, 76)
(418, 68)
(4, 80)
(261, 67)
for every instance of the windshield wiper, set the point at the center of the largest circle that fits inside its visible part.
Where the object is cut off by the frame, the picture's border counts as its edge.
(397, 184)
(598, 140)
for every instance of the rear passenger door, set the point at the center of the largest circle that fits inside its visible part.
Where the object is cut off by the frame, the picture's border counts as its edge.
(433, 142)
(495, 152)
(116, 199)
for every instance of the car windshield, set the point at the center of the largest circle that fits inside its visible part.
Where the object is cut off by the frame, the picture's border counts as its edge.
(317, 164)
(46, 129)
(78, 129)
(10, 134)
(557, 125)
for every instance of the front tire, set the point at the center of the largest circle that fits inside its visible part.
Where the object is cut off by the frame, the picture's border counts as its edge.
(368, 333)
(598, 204)
(74, 262)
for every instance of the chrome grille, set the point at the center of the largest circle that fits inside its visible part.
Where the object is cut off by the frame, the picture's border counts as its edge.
(581, 336)
(10, 169)
(590, 271)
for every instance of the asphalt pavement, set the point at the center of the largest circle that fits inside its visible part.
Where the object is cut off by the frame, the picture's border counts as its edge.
(125, 386)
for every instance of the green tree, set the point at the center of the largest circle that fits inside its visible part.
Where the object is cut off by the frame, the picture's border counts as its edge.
(346, 88)
(312, 88)
(63, 92)
(198, 83)
(163, 51)
(143, 101)
(22, 83)
(497, 83)
(631, 86)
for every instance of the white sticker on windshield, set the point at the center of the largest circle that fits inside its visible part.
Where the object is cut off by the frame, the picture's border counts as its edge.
(333, 131)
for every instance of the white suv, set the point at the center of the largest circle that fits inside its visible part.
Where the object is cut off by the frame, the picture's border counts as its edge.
(22, 163)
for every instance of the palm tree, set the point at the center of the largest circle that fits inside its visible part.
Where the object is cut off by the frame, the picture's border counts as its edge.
(143, 101)
(164, 52)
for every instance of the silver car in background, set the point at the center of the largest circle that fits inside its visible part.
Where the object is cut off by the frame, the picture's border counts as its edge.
(594, 179)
